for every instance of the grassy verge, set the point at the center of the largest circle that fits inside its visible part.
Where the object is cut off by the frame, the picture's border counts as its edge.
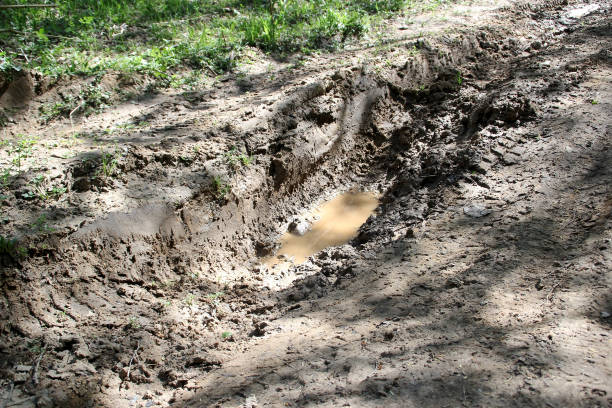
(159, 37)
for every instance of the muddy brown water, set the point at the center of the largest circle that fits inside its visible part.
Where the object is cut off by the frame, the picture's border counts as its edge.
(338, 221)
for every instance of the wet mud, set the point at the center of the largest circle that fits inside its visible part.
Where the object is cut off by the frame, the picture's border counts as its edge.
(334, 223)
(474, 272)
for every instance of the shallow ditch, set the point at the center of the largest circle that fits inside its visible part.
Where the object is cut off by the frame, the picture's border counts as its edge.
(178, 276)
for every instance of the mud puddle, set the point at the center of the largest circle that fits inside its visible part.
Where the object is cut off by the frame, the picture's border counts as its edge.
(337, 222)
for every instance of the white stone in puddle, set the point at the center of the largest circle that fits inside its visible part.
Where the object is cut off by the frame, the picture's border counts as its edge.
(476, 210)
(299, 227)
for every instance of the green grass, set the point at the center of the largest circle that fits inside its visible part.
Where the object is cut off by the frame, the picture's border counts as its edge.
(8, 246)
(92, 98)
(161, 37)
(222, 188)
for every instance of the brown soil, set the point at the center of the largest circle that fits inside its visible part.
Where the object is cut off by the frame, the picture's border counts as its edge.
(482, 279)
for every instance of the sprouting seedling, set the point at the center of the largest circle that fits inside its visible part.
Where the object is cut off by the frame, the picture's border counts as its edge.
(459, 78)
(214, 297)
(221, 187)
(5, 178)
(246, 160)
(41, 225)
(226, 334)
(189, 299)
(8, 246)
(109, 163)
(234, 158)
(134, 323)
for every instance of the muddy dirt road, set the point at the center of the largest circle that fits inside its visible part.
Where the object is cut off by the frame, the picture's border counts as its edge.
(481, 279)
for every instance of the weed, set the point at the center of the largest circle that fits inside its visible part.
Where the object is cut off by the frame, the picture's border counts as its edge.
(235, 158)
(91, 99)
(459, 78)
(222, 189)
(108, 165)
(5, 178)
(38, 189)
(134, 323)
(41, 225)
(226, 335)
(189, 299)
(20, 150)
(56, 191)
(594, 102)
(8, 246)
(215, 295)
(8, 66)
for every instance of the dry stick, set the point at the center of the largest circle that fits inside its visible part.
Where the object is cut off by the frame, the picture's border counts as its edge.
(9, 6)
(24, 55)
(34, 375)
(551, 292)
(127, 377)
(70, 117)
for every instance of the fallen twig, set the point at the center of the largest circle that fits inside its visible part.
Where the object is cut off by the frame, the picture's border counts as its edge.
(34, 372)
(552, 291)
(127, 376)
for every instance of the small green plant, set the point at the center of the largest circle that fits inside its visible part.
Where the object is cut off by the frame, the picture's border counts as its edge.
(62, 316)
(226, 335)
(189, 299)
(8, 246)
(91, 99)
(234, 158)
(20, 150)
(134, 323)
(594, 102)
(245, 160)
(38, 189)
(459, 78)
(56, 191)
(8, 66)
(108, 165)
(5, 178)
(41, 225)
(214, 296)
(166, 303)
(222, 189)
